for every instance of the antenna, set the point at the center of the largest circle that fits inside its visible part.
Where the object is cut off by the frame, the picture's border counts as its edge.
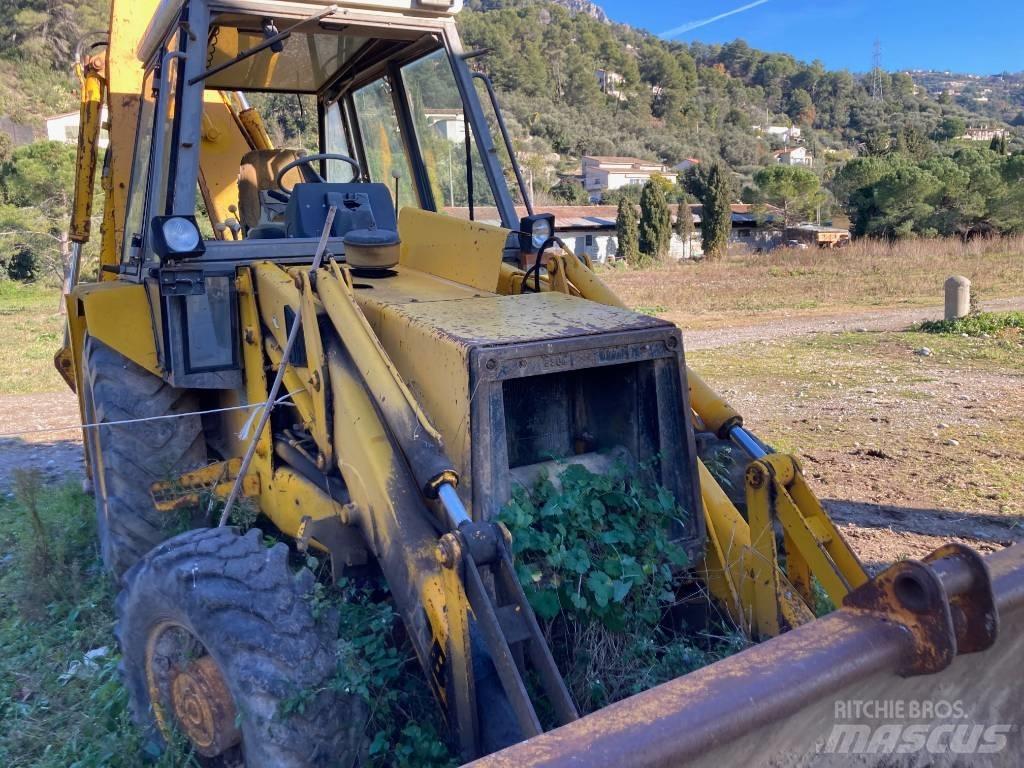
(876, 71)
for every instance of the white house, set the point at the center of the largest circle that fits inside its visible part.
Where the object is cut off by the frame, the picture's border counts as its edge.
(610, 83)
(450, 123)
(784, 133)
(984, 133)
(590, 229)
(602, 174)
(64, 128)
(795, 156)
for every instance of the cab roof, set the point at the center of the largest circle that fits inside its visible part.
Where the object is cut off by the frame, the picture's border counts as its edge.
(168, 10)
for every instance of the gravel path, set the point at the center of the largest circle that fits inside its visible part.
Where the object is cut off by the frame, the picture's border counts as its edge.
(58, 455)
(871, 320)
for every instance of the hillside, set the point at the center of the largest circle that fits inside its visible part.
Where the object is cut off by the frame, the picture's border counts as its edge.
(998, 97)
(676, 101)
(574, 83)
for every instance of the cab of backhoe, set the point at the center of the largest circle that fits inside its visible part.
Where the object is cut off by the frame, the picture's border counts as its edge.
(244, 142)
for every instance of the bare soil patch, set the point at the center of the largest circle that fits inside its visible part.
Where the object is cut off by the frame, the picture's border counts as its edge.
(908, 450)
(58, 455)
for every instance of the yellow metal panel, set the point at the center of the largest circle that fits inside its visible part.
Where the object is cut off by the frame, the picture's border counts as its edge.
(509, 319)
(254, 127)
(466, 252)
(436, 373)
(587, 283)
(118, 314)
(288, 497)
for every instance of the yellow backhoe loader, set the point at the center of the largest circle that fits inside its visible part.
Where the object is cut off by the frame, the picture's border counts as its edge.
(306, 333)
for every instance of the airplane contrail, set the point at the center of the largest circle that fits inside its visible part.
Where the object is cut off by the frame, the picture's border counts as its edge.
(695, 24)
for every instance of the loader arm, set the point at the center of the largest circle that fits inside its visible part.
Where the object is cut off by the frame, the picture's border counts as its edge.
(397, 478)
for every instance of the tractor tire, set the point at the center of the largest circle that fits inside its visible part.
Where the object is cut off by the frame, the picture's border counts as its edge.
(126, 459)
(221, 647)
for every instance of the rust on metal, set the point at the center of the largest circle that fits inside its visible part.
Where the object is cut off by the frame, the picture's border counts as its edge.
(203, 707)
(910, 595)
(774, 703)
(187, 491)
(973, 606)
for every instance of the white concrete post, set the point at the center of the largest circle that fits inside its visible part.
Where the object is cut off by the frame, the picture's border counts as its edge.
(958, 297)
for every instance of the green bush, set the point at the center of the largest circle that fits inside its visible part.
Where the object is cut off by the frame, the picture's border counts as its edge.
(989, 323)
(598, 565)
(376, 661)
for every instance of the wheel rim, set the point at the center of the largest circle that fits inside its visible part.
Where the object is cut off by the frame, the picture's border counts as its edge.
(188, 692)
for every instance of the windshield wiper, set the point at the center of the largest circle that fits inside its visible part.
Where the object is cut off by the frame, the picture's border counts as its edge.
(267, 43)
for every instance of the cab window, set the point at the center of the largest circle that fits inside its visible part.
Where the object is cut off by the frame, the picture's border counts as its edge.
(136, 212)
(383, 144)
(442, 133)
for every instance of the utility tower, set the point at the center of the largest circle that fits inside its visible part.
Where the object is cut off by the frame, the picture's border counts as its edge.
(876, 71)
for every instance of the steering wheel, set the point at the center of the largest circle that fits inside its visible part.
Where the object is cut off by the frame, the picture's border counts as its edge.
(306, 160)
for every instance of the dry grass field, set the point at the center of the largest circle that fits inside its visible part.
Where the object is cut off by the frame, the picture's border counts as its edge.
(748, 288)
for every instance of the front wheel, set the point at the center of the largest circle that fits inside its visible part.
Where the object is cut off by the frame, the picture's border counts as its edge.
(222, 647)
(127, 458)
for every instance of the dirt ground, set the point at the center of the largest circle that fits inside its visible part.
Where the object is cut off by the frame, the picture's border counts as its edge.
(906, 450)
(783, 324)
(58, 455)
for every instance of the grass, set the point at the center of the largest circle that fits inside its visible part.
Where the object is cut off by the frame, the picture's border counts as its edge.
(868, 274)
(56, 709)
(32, 329)
(62, 703)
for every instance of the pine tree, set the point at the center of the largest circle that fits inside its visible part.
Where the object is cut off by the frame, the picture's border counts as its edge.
(655, 222)
(628, 234)
(684, 224)
(716, 221)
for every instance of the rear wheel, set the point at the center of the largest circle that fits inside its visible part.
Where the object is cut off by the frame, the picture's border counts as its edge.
(221, 647)
(126, 459)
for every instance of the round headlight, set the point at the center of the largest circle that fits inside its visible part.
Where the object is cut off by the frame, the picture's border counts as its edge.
(541, 232)
(181, 235)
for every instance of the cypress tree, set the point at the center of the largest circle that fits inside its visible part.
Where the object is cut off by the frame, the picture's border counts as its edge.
(655, 222)
(684, 224)
(628, 234)
(716, 224)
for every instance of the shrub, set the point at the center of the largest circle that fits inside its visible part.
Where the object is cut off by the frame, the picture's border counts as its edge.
(984, 323)
(598, 565)
(628, 235)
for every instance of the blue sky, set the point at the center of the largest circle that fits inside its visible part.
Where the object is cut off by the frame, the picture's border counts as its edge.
(977, 36)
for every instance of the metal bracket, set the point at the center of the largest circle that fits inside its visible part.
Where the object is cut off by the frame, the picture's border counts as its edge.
(975, 617)
(506, 624)
(188, 490)
(343, 542)
(177, 282)
(913, 595)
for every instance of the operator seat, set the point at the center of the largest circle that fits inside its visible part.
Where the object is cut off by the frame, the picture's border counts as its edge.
(260, 211)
